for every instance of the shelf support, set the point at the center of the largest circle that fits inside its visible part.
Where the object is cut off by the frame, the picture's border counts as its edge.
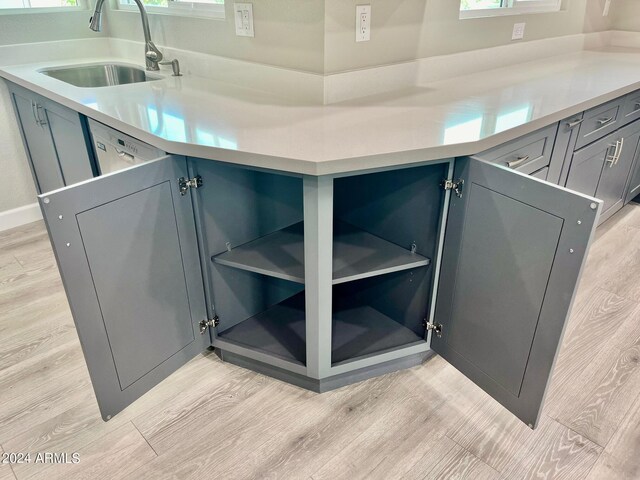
(318, 265)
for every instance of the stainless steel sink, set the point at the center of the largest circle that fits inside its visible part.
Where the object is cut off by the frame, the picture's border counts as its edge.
(102, 75)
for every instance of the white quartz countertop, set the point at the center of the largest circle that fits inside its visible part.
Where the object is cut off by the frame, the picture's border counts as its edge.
(198, 117)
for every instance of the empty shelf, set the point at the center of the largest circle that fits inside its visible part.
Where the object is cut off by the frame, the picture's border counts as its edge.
(278, 331)
(356, 331)
(356, 255)
(363, 330)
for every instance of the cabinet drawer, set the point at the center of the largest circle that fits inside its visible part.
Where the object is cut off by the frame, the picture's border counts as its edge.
(526, 154)
(630, 108)
(599, 121)
(541, 174)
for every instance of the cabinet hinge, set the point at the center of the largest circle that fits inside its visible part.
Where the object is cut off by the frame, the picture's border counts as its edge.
(208, 323)
(436, 327)
(456, 186)
(186, 183)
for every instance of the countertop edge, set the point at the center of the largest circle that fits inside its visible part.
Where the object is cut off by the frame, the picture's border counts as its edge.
(332, 166)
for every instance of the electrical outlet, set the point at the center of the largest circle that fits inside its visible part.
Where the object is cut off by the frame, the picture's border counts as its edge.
(363, 23)
(244, 19)
(518, 31)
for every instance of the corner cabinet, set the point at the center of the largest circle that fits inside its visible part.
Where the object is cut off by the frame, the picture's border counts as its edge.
(320, 281)
(55, 140)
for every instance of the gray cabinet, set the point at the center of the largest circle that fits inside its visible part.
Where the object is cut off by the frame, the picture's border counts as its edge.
(55, 139)
(603, 168)
(599, 121)
(320, 281)
(633, 190)
(528, 154)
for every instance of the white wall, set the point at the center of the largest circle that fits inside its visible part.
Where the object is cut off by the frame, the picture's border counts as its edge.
(404, 30)
(626, 15)
(289, 33)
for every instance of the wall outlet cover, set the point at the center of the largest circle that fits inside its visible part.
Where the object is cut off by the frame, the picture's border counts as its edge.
(363, 23)
(243, 13)
(518, 31)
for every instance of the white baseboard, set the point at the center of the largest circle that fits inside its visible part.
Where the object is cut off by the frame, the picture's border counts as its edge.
(20, 216)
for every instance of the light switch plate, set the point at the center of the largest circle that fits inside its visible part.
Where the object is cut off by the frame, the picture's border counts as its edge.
(607, 6)
(518, 31)
(244, 19)
(363, 23)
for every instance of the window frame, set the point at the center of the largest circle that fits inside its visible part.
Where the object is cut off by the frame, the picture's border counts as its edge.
(82, 5)
(185, 9)
(514, 7)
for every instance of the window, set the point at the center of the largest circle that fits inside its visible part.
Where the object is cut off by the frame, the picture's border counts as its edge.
(197, 8)
(490, 8)
(19, 6)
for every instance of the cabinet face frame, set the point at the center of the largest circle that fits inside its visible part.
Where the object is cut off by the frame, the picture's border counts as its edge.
(319, 207)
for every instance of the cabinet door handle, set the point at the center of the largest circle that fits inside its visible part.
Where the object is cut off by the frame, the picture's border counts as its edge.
(620, 150)
(575, 123)
(604, 121)
(636, 107)
(41, 120)
(517, 162)
(34, 112)
(612, 158)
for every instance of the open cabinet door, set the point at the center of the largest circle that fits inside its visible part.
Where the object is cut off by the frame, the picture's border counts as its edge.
(513, 252)
(126, 248)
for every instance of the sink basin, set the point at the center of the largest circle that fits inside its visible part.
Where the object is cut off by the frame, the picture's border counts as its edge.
(102, 75)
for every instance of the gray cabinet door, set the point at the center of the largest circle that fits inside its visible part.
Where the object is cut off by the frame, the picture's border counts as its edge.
(127, 252)
(38, 144)
(71, 142)
(603, 168)
(633, 190)
(514, 248)
(615, 173)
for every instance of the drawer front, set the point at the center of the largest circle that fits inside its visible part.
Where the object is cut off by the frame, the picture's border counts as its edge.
(630, 108)
(599, 121)
(527, 154)
(541, 174)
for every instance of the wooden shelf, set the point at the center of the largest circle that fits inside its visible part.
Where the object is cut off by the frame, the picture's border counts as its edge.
(356, 255)
(356, 332)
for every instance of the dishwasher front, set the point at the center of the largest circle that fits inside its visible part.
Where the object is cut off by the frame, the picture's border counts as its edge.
(116, 151)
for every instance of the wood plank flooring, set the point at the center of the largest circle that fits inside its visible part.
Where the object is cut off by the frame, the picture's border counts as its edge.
(214, 420)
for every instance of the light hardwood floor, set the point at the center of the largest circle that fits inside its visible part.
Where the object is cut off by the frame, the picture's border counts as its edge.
(214, 420)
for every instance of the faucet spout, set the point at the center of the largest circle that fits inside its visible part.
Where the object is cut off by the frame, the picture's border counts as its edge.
(152, 55)
(95, 22)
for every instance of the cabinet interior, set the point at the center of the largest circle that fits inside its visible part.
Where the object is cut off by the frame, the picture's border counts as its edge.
(385, 309)
(385, 230)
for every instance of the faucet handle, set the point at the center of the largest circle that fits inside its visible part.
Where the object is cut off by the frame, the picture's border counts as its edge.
(152, 55)
(175, 66)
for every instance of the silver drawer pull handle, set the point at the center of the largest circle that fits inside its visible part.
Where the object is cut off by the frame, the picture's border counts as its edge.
(517, 162)
(604, 121)
(575, 123)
